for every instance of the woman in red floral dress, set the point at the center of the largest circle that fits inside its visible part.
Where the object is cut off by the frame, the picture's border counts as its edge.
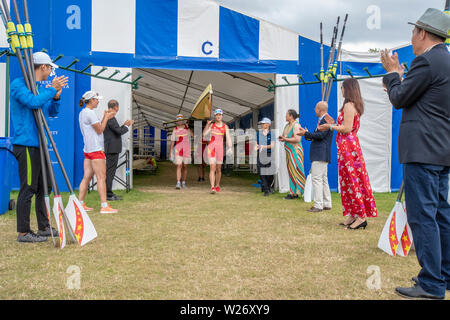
(356, 193)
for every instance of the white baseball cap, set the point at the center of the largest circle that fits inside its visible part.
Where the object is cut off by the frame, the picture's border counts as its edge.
(43, 58)
(218, 111)
(265, 120)
(91, 94)
(179, 116)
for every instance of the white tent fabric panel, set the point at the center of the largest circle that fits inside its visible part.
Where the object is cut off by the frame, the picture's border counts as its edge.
(122, 93)
(375, 133)
(114, 26)
(3, 38)
(277, 43)
(285, 98)
(198, 28)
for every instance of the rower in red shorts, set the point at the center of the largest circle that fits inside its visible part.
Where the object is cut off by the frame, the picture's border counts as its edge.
(94, 156)
(218, 131)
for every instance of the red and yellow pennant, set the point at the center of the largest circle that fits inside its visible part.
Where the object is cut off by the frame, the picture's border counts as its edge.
(406, 241)
(393, 240)
(79, 225)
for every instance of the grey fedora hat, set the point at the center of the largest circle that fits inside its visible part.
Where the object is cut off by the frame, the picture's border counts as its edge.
(434, 21)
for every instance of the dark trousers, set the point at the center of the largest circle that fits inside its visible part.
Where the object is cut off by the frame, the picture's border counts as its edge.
(112, 159)
(263, 164)
(428, 211)
(31, 183)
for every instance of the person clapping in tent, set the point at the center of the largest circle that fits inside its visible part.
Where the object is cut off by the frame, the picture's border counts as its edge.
(294, 155)
(218, 131)
(180, 145)
(94, 156)
(26, 145)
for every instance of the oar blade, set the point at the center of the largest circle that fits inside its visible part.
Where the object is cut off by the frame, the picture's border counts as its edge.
(79, 221)
(58, 214)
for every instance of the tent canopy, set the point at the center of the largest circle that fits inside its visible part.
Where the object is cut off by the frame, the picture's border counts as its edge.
(162, 94)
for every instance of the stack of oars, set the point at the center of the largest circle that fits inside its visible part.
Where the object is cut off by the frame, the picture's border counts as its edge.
(327, 75)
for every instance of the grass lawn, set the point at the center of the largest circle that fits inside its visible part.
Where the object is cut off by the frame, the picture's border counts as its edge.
(171, 244)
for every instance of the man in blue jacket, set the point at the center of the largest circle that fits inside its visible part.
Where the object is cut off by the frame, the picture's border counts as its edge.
(320, 154)
(424, 149)
(26, 145)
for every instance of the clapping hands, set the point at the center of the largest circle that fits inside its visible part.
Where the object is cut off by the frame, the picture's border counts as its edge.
(129, 123)
(302, 131)
(109, 114)
(390, 63)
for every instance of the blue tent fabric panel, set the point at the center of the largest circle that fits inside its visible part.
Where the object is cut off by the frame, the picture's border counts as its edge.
(83, 84)
(357, 68)
(239, 36)
(72, 20)
(309, 95)
(163, 144)
(156, 28)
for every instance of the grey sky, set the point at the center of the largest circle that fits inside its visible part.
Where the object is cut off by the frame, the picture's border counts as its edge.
(305, 16)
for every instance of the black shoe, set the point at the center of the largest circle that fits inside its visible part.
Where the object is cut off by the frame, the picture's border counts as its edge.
(416, 292)
(47, 233)
(199, 179)
(266, 194)
(272, 191)
(289, 197)
(416, 281)
(361, 225)
(114, 198)
(31, 237)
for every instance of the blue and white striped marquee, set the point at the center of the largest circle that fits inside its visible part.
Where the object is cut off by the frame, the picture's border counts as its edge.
(204, 36)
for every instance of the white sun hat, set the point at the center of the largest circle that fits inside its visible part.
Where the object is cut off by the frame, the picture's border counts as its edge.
(91, 94)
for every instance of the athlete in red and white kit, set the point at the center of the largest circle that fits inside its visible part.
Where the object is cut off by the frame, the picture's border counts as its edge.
(218, 130)
(181, 147)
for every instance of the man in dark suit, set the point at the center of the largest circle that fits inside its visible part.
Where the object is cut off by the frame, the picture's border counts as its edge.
(112, 137)
(424, 149)
(320, 154)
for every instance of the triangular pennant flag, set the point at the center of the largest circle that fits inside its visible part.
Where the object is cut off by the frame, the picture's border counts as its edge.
(58, 214)
(79, 221)
(406, 240)
(388, 241)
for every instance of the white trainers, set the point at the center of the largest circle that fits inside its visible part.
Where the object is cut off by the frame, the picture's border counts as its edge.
(178, 186)
(183, 185)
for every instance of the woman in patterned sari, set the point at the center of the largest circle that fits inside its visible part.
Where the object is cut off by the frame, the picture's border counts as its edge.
(294, 155)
